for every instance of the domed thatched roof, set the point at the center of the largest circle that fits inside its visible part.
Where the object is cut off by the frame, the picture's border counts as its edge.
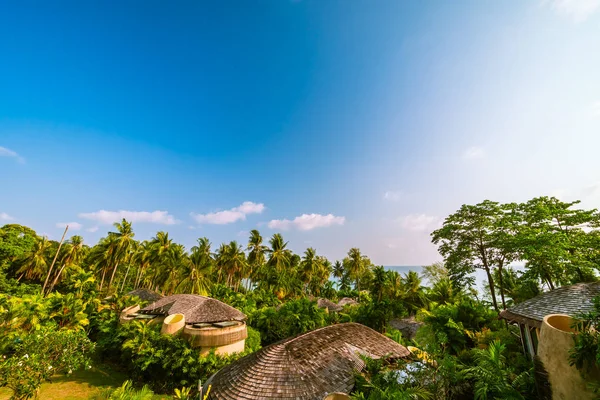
(145, 294)
(307, 367)
(347, 301)
(569, 300)
(329, 305)
(196, 309)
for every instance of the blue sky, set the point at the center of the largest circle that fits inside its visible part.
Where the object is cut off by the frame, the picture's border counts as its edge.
(338, 123)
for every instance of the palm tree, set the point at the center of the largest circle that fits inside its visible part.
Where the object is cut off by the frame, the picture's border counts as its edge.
(309, 267)
(356, 264)
(162, 253)
(34, 263)
(256, 255)
(73, 255)
(141, 258)
(236, 264)
(279, 256)
(196, 270)
(121, 244)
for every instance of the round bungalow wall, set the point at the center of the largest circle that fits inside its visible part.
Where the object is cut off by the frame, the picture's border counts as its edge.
(226, 337)
(556, 339)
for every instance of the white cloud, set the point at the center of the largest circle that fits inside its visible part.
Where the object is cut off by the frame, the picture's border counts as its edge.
(230, 216)
(5, 217)
(392, 195)
(577, 10)
(74, 226)
(419, 222)
(474, 152)
(596, 109)
(92, 229)
(306, 222)
(109, 217)
(4, 152)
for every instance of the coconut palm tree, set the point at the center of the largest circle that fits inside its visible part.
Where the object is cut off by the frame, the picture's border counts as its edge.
(256, 255)
(309, 266)
(196, 270)
(120, 246)
(73, 255)
(141, 258)
(34, 263)
(356, 264)
(162, 255)
(236, 264)
(279, 256)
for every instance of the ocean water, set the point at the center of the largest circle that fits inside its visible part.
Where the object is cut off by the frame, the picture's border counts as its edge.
(479, 274)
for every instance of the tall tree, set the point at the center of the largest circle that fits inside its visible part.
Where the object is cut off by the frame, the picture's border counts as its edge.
(73, 255)
(121, 244)
(356, 264)
(34, 264)
(257, 251)
(196, 270)
(475, 236)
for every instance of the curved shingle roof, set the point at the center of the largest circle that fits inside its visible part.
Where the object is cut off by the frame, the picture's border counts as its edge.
(569, 300)
(329, 305)
(145, 294)
(195, 308)
(306, 367)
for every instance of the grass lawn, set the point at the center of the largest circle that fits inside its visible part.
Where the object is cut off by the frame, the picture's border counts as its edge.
(80, 385)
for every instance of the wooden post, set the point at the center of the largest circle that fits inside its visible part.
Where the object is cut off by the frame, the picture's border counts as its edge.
(54, 261)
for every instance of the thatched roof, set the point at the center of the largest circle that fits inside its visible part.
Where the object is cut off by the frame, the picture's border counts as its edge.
(408, 326)
(329, 305)
(306, 367)
(196, 309)
(145, 294)
(569, 300)
(347, 301)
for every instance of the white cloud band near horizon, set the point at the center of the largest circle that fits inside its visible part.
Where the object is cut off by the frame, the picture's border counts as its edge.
(109, 217)
(473, 153)
(420, 222)
(6, 152)
(307, 222)
(74, 226)
(5, 217)
(577, 10)
(229, 216)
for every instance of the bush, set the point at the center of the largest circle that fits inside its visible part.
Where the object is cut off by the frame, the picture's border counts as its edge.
(38, 356)
(290, 319)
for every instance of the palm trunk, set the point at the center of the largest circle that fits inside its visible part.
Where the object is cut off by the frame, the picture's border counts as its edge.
(54, 260)
(112, 277)
(56, 278)
(125, 279)
(102, 280)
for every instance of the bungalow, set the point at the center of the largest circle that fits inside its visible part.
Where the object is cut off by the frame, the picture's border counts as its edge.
(314, 366)
(205, 322)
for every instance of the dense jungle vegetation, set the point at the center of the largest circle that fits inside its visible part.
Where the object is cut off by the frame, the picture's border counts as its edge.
(60, 303)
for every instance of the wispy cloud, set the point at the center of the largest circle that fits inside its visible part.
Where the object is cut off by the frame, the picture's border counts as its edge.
(5, 217)
(419, 222)
(473, 153)
(5, 152)
(92, 229)
(391, 195)
(577, 10)
(307, 222)
(229, 216)
(109, 217)
(75, 226)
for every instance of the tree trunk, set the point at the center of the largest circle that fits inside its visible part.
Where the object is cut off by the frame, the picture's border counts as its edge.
(501, 282)
(102, 280)
(54, 260)
(56, 278)
(125, 279)
(492, 289)
(112, 276)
